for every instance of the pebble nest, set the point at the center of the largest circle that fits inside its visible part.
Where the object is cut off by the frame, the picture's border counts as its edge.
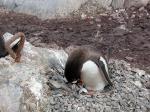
(130, 92)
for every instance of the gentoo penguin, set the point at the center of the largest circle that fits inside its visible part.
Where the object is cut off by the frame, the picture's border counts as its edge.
(89, 67)
(12, 45)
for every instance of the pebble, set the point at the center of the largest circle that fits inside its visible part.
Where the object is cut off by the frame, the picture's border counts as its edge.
(147, 85)
(55, 84)
(52, 102)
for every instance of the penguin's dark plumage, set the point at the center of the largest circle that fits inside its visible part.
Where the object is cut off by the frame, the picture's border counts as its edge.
(80, 64)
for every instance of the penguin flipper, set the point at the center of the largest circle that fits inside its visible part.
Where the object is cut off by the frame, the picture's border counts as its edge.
(103, 68)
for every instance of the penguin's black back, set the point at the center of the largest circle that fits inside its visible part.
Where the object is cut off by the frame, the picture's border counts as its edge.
(74, 65)
(75, 62)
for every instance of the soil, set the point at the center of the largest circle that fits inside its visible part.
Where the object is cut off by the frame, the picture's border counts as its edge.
(127, 33)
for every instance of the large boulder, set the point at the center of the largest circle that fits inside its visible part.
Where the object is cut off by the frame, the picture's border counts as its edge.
(135, 3)
(104, 3)
(45, 9)
(128, 3)
(23, 85)
(49, 9)
(117, 4)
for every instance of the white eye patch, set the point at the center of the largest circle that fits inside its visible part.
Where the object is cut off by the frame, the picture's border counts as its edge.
(105, 64)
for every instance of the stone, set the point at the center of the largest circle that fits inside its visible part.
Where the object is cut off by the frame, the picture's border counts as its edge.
(54, 84)
(10, 95)
(120, 30)
(83, 91)
(129, 58)
(46, 9)
(23, 85)
(147, 85)
(104, 3)
(83, 16)
(138, 83)
(51, 100)
(138, 71)
(135, 3)
(117, 4)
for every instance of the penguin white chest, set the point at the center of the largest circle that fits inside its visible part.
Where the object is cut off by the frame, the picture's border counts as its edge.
(92, 77)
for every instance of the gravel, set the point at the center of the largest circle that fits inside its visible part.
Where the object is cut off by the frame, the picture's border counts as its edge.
(126, 96)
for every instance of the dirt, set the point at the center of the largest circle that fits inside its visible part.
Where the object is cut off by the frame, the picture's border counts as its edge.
(127, 34)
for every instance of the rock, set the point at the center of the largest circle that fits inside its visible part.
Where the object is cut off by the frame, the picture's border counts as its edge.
(129, 58)
(54, 84)
(141, 9)
(23, 85)
(10, 95)
(147, 85)
(46, 9)
(51, 100)
(135, 3)
(80, 109)
(83, 91)
(117, 4)
(83, 16)
(104, 3)
(138, 83)
(139, 72)
(35, 87)
(120, 30)
(92, 110)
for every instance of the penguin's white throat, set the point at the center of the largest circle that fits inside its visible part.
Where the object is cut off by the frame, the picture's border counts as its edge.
(92, 76)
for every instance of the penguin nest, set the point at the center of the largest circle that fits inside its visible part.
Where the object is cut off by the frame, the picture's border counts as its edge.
(129, 93)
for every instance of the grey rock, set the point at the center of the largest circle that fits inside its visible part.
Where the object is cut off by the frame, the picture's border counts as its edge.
(104, 3)
(51, 100)
(135, 3)
(54, 84)
(83, 91)
(147, 85)
(46, 9)
(117, 4)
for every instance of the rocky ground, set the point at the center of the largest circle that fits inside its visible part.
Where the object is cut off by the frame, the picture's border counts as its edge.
(125, 32)
(130, 94)
(25, 88)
